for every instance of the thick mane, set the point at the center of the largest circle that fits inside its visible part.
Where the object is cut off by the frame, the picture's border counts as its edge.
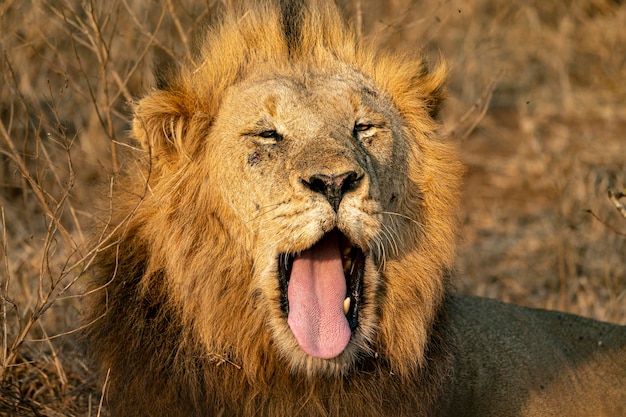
(291, 16)
(180, 251)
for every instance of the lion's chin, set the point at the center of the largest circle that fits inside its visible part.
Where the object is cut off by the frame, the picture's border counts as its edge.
(321, 294)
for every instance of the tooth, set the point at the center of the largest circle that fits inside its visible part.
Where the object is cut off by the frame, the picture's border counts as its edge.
(346, 305)
(346, 251)
(346, 265)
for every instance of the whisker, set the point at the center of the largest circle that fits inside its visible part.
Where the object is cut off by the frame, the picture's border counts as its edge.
(264, 211)
(397, 238)
(379, 251)
(383, 262)
(391, 213)
(391, 238)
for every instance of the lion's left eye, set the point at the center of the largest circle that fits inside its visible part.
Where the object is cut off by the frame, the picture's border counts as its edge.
(364, 132)
(362, 127)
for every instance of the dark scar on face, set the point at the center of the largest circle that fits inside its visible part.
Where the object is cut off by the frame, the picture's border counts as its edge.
(254, 158)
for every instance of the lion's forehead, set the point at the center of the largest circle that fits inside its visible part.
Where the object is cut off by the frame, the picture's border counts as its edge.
(306, 101)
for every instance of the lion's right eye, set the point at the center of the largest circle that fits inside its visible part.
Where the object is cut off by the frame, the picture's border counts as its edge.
(362, 127)
(271, 134)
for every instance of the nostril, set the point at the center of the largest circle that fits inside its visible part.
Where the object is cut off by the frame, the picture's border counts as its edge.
(319, 183)
(350, 182)
(333, 187)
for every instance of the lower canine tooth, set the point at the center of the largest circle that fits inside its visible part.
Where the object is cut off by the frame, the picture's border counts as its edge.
(346, 305)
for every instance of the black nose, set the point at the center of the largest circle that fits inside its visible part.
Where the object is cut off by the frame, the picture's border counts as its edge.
(333, 187)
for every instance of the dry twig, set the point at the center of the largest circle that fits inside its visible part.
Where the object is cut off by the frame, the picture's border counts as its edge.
(473, 116)
(615, 197)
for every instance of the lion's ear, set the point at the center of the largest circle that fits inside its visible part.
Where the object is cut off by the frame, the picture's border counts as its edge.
(413, 86)
(432, 86)
(161, 123)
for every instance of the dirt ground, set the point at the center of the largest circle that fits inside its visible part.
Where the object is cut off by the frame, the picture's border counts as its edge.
(537, 105)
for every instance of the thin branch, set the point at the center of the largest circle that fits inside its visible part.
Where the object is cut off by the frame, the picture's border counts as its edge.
(477, 111)
(151, 35)
(179, 27)
(13, 155)
(608, 226)
(5, 289)
(104, 390)
(614, 197)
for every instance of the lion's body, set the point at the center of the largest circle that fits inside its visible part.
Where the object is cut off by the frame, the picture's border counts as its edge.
(290, 247)
(513, 361)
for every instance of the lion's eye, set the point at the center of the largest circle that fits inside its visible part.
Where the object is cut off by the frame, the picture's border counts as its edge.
(364, 132)
(271, 134)
(362, 127)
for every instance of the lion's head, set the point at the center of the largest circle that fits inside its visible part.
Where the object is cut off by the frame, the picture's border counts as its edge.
(300, 205)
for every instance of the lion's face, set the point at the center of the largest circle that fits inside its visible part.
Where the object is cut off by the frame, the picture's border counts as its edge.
(301, 204)
(311, 165)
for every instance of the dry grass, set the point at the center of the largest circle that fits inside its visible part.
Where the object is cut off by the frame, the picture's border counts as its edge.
(538, 104)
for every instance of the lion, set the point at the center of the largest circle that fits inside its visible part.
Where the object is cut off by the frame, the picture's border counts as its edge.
(286, 247)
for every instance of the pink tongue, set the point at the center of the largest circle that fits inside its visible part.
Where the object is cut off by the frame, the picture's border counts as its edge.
(316, 292)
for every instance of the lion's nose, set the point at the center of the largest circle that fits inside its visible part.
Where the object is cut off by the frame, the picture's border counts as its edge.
(333, 187)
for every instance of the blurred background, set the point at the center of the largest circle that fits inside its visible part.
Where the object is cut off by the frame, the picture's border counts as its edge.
(537, 105)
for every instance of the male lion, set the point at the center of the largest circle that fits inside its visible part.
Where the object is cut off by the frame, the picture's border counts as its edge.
(290, 252)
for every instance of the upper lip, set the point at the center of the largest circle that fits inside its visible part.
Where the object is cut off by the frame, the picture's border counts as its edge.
(354, 265)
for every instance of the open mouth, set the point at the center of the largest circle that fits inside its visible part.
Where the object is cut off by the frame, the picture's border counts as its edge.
(321, 293)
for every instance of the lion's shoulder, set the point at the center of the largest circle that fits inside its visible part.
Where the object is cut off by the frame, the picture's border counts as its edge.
(509, 358)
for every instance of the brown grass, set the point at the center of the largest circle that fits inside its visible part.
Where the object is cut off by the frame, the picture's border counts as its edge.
(538, 104)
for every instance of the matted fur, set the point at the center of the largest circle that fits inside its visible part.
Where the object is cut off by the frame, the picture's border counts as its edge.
(187, 316)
